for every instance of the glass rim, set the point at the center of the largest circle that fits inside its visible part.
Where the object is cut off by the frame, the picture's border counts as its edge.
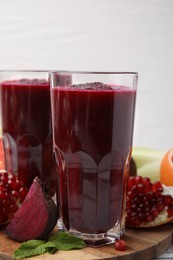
(72, 71)
(93, 72)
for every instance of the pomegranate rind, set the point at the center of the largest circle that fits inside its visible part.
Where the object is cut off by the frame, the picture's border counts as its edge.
(36, 217)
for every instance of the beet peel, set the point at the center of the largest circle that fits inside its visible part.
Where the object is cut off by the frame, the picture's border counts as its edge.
(36, 217)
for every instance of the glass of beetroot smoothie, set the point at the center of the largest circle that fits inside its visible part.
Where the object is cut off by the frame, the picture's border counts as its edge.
(26, 125)
(93, 118)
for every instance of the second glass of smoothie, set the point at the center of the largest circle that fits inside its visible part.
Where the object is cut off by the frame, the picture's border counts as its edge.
(93, 119)
(26, 125)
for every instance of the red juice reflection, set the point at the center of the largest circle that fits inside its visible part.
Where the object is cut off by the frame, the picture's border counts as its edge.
(93, 127)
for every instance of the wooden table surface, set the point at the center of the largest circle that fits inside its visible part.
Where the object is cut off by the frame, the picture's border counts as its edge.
(167, 255)
(143, 244)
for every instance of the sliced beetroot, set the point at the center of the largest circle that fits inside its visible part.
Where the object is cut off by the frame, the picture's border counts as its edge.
(36, 217)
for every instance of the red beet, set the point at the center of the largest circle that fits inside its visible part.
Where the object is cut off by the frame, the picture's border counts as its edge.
(36, 217)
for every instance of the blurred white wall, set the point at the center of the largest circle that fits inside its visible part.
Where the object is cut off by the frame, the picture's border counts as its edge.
(124, 35)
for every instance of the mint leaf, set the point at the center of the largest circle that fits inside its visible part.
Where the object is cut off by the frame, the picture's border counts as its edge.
(50, 247)
(65, 241)
(29, 248)
(58, 241)
(33, 248)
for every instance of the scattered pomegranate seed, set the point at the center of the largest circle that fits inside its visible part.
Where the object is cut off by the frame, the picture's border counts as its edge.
(120, 245)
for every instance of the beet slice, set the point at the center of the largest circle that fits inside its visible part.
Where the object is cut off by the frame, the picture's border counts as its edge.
(36, 217)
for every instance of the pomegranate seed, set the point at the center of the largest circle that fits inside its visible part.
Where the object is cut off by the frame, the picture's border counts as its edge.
(170, 211)
(23, 191)
(3, 189)
(15, 194)
(141, 216)
(153, 201)
(148, 187)
(131, 194)
(146, 180)
(145, 202)
(140, 188)
(2, 195)
(133, 207)
(128, 202)
(157, 186)
(120, 245)
(131, 214)
(168, 200)
(6, 203)
(141, 197)
(131, 182)
(148, 217)
(14, 184)
(150, 195)
(154, 212)
(5, 211)
(139, 179)
(135, 221)
(160, 207)
(11, 177)
(4, 179)
(13, 208)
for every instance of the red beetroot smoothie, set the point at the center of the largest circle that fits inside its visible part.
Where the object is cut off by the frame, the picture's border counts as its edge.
(27, 130)
(93, 135)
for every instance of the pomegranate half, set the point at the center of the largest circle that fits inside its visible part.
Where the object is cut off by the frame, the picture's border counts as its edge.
(148, 204)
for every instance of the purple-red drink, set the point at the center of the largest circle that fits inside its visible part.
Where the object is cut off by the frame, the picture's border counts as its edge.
(27, 129)
(93, 125)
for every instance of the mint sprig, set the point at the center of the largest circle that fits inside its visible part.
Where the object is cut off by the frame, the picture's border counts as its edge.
(58, 241)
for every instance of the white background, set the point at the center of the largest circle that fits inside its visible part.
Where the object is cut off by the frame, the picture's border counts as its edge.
(115, 35)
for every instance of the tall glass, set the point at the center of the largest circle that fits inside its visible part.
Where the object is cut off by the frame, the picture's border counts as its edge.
(93, 118)
(26, 125)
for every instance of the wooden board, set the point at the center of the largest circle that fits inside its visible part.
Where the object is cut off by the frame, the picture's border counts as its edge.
(143, 244)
